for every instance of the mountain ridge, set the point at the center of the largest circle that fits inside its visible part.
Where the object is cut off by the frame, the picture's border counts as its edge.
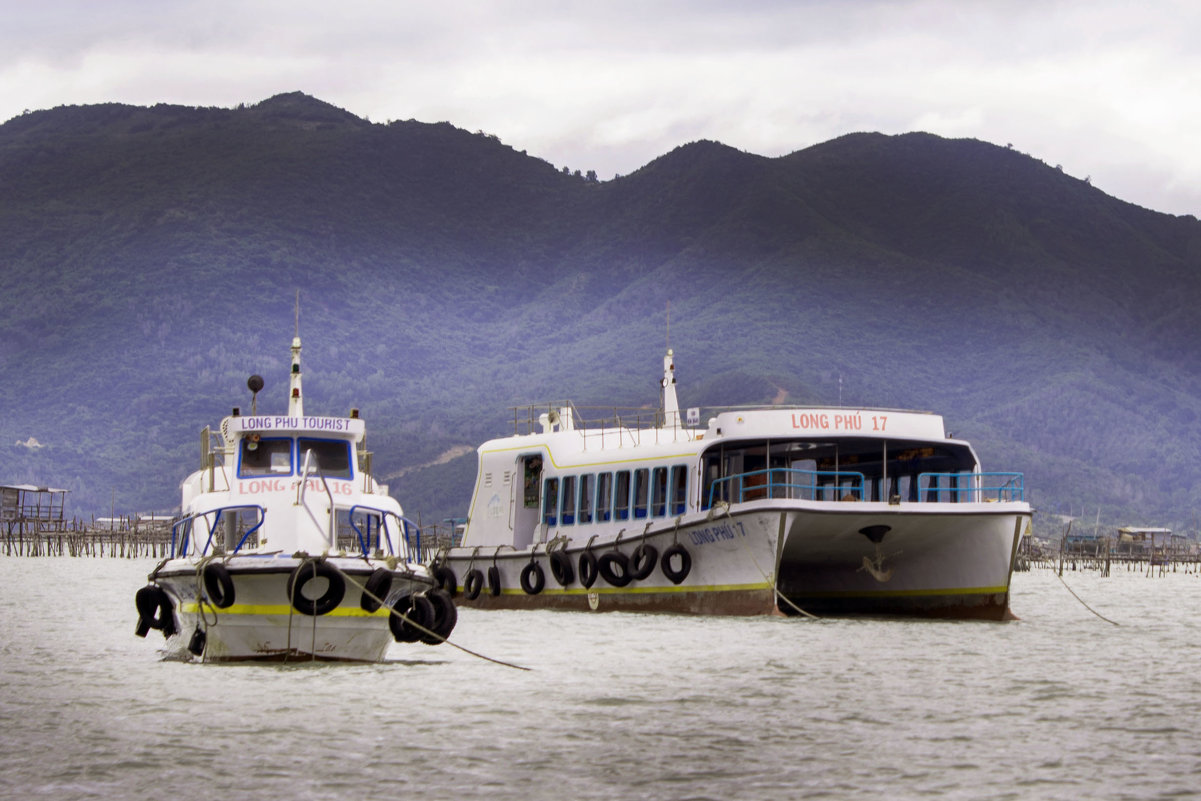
(152, 254)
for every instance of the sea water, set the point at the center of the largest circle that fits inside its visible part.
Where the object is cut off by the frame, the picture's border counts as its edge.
(1059, 704)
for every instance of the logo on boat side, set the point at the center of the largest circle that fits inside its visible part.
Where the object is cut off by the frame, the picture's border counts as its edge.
(260, 486)
(836, 422)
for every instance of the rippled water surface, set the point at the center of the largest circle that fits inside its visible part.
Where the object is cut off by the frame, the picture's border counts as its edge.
(1060, 704)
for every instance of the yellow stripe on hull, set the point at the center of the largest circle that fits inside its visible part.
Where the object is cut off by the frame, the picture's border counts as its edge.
(281, 609)
(642, 590)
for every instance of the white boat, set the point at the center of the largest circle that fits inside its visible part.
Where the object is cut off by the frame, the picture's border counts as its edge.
(287, 548)
(824, 511)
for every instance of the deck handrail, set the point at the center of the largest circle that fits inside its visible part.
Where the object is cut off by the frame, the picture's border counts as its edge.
(782, 482)
(823, 485)
(217, 512)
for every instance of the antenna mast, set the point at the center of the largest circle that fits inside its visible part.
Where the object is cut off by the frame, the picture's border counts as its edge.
(295, 401)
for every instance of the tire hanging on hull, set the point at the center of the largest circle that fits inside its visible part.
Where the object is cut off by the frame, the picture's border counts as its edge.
(307, 571)
(673, 575)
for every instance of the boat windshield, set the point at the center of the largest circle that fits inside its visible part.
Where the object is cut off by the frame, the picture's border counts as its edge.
(834, 470)
(265, 456)
(331, 457)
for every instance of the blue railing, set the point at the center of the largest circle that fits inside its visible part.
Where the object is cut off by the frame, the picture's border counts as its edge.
(828, 485)
(969, 487)
(187, 525)
(382, 530)
(806, 485)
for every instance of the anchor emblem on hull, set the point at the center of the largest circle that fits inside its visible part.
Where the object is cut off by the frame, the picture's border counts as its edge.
(874, 566)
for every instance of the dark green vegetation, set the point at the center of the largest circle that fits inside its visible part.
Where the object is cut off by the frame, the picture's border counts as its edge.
(151, 257)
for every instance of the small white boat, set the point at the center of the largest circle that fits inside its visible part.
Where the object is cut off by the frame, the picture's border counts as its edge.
(288, 548)
(826, 511)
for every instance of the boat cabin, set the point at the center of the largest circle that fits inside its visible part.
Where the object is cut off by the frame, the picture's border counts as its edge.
(572, 480)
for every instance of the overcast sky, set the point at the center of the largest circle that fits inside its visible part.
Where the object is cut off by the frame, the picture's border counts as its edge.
(1106, 89)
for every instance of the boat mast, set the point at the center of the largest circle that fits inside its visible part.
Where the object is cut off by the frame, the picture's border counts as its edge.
(671, 406)
(295, 401)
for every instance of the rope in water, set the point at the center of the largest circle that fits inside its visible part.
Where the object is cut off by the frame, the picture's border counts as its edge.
(1082, 603)
(725, 508)
(422, 628)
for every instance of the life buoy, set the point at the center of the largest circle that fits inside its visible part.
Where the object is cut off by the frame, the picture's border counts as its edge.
(444, 618)
(378, 584)
(587, 569)
(614, 567)
(446, 579)
(155, 611)
(494, 581)
(308, 570)
(218, 585)
(642, 561)
(560, 568)
(673, 575)
(532, 578)
(410, 611)
(473, 582)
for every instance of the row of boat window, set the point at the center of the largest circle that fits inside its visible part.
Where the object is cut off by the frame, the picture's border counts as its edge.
(284, 456)
(619, 495)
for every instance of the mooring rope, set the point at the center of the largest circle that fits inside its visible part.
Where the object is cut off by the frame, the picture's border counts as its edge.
(422, 628)
(1082, 603)
(725, 508)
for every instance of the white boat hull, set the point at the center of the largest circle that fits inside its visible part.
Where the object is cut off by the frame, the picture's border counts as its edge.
(263, 624)
(786, 557)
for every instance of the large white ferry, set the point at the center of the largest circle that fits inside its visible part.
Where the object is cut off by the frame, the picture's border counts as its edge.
(288, 548)
(822, 511)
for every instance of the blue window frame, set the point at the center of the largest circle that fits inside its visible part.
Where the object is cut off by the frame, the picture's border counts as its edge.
(568, 516)
(331, 457)
(621, 495)
(586, 484)
(659, 492)
(642, 478)
(679, 489)
(550, 502)
(604, 497)
(265, 456)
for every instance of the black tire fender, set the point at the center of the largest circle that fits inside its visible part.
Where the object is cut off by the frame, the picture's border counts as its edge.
(218, 585)
(379, 583)
(410, 611)
(473, 582)
(614, 567)
(445, 578)
(642, 561)
(532, 578)
(560, 568)
(494, 581)
(588, 571)
(155, 611)
(673, 575)
(329, 600)
(444, 618)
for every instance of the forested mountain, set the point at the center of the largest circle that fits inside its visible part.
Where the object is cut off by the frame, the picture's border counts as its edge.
(151, 258)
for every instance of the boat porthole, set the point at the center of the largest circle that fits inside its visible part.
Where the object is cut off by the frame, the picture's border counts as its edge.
(443, 621)
(410, 611)
(473, 582)
(614, 567)
(377, 584)
(335, 588)
(494, 581)
(446, 579)
(218, 585)
(673, 575)
(587, 569)
(532, 578)
(560, 568)
(643, 561)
